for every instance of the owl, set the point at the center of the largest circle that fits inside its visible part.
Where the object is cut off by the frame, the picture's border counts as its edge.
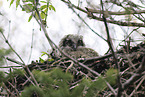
(74, 46)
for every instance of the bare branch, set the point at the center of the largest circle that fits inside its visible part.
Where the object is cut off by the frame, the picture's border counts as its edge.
(91, 15)
(109, 41)
(136, 75)
(11, 47)
(115, 13)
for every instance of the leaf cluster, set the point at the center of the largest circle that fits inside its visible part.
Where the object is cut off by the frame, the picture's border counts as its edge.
(56, 83)
(29, 6)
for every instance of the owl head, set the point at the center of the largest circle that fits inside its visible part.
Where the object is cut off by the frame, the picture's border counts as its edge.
(72, 42)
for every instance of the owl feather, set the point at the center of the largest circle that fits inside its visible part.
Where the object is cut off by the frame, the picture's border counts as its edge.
(74, 46)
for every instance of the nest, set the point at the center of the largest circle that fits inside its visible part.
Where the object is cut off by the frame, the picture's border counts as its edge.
(131, 66)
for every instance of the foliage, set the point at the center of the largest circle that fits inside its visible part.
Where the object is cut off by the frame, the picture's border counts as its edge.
(55, 84)
(31, 90)
(30, 7)
(100, 83)
(49, 58)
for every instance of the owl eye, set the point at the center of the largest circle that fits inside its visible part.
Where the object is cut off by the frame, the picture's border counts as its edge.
(68, 42)
(80, 43)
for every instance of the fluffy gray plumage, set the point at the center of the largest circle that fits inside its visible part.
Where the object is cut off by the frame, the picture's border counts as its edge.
(74, 46)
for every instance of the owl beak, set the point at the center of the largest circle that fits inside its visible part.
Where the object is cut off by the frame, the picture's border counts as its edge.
(74, 47)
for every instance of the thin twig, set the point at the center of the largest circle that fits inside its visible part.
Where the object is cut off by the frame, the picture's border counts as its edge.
(116, 13)
(109, 41)
(31, 46)
(12, 48)
(10, 66)
(143, 78)
(14, 88)
(87, 24)
(90, 14)
(7, 90)
(14, 61)
(135, 76)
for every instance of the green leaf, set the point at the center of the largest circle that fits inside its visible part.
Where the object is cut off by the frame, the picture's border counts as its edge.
(43, 7)
(45, 11)
(28, 1)
(41, 60)
(43, 53)
(43, 1)
(50, 59)
(17, 3)
(11, 2)
(42, 15)
(28, 7)
(51, 7)
(30, 18)
(36, 16)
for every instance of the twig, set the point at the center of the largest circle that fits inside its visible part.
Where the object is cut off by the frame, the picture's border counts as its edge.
(111, 88)
(121, 23)
(128, 35)
(28, 78)
(109, 41)
(10, 66)
(138, 73)
(14, 61)
(31, 46)
(27, 70)
(14, 88)
(43, 28)
(130, 62)
(143, 78)
(70, 66)
(115, 13)
(12, 47)
(95, 58)
(87, 24)
(7, 89)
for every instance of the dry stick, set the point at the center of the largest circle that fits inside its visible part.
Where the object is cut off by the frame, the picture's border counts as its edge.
(14, 61)
(43, 27)
(139, 71)
(14, 88)
(132, 10)
(7, 90)
(130, 62)
(10, 66)
(128, 35)
(137, 86)
(116, 13)
(23, 63)
(109, 41)
(133, 24)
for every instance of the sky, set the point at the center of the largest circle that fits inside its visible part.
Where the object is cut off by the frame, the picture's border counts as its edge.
(19, 31)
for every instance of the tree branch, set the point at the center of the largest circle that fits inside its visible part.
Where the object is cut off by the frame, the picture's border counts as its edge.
(115, 13)
(90, 14)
